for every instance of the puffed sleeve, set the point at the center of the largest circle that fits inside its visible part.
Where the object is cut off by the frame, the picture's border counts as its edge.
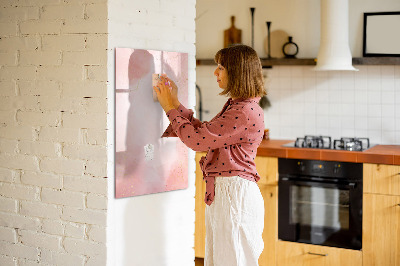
(186, 113)
(224, 130)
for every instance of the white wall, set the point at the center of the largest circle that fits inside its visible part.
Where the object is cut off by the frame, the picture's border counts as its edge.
(53, 106)
(155, 229)
(338, 104)
(298, 18)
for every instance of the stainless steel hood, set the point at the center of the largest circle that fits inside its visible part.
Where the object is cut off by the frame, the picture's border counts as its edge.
(334, 52)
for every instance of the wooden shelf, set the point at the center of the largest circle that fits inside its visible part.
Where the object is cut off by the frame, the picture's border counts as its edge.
(312, 61)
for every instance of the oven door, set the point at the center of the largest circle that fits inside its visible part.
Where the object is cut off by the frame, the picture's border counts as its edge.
(321, 212)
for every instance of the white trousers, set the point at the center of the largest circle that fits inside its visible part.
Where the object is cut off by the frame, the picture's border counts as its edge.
(234, 223)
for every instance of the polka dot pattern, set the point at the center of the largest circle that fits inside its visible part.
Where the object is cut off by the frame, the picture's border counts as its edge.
(231, 139)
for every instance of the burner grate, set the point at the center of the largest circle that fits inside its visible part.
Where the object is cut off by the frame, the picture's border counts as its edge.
(351, 144)
(321, 142)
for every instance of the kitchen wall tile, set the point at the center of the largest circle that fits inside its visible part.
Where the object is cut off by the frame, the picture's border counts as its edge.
(374, 123)
(310, 95)
(308, 72)
(397, 123)
(285, 72)
(347, 109)
(297, 72)
(388, 97)
(388, 110)
(322, 121)
(389, 136)
(388, 84)
(335, 122)
(397, 93)
(297, 83)
(397, 133)
(348, 96)
(361, 97)
(361, 110)
(322, 83)
(374, 97)
(397, 72)
(335, 95)
(388, 124)
(322, 74)
(374, 110)
(348, 132)
(397, 110)
(374, 70)
(347, 122)
(361, 125)
(374, 84)
(375, 136)
(323, 102)
(310, 108)
(387, 71)
(322, 95)
(334, 109)
(322, 109)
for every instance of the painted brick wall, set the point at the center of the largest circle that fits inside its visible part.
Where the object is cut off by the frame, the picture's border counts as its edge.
(53, 111)
(156, 229)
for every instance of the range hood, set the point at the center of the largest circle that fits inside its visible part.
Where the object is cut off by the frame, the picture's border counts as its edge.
(334, 51)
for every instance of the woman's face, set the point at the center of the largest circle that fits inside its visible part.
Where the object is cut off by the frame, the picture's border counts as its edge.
(222, 76)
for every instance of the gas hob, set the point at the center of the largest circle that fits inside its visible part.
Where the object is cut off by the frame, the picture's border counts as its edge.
(325, 142)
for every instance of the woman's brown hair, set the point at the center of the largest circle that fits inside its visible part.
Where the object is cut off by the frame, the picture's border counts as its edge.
(245, 78)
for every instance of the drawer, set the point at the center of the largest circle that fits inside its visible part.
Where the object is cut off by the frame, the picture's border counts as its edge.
(381, 179)
(293, 254)
(267, 168)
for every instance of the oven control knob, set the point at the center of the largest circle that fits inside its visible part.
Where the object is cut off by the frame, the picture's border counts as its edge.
(302, 167)
(336, 169)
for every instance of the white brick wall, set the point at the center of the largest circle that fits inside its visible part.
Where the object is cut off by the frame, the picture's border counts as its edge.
(53, 108)
(155, 229)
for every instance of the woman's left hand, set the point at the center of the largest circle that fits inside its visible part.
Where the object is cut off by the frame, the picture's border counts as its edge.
(163, 92)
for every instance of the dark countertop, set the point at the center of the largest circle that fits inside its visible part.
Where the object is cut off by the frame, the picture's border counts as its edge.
(379, 154)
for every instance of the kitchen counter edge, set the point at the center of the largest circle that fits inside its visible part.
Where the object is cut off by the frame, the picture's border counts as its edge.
(378, 154)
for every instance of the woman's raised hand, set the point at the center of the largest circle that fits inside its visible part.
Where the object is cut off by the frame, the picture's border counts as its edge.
(174, 90)
(164, 94)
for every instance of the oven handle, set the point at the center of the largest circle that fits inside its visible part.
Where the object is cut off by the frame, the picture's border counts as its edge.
(297, 181)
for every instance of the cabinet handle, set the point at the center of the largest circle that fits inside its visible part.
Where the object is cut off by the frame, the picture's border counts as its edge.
(318, 254)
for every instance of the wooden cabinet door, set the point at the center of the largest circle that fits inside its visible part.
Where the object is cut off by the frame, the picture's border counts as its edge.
(381, 230)
(267, 168)
(270, 233)
(200, 207)
(297, 254)
(381, 179)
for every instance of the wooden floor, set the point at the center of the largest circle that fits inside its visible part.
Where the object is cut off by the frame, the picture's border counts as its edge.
(199, 262)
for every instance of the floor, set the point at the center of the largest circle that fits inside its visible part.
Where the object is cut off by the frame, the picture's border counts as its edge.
(199, 262)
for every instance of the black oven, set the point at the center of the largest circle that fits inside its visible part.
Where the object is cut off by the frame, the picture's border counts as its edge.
(320, 202)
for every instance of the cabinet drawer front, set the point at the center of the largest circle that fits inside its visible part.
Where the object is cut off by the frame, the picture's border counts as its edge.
(293, 254)
(381, 179)
(381, 230)
(267, 168)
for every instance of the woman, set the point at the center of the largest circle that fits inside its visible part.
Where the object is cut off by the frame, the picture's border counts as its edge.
(235, 207)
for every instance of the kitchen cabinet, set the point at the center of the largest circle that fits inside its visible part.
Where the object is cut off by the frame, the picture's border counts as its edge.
(270, 233)
(267, 168)
(381, 179)
(298, 254)
(381, 215)
(200, 207)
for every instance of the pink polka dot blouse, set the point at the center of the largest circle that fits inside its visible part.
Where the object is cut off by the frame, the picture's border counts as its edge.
(231, 139)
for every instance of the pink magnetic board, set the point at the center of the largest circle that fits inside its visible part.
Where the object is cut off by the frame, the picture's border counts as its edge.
(145, 163)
